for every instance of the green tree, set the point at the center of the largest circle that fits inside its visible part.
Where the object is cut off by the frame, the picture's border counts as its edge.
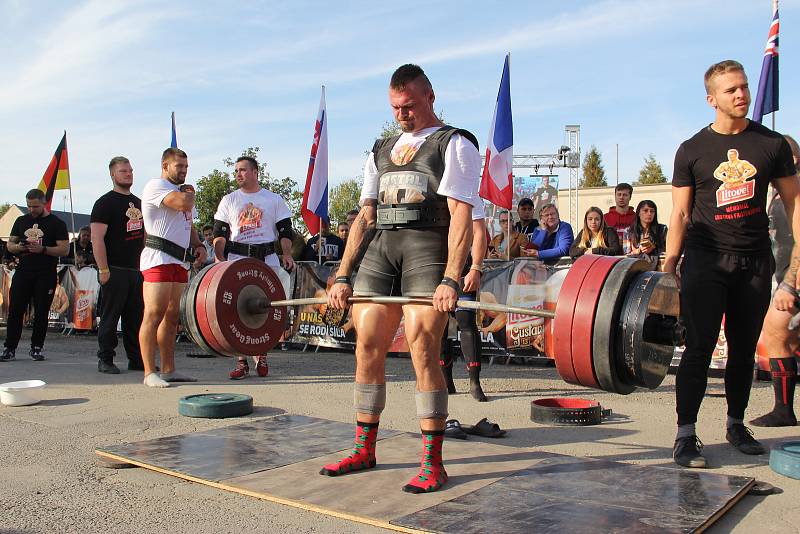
(593, 173)
(218, 183)
(4, 208)
(343, 198)
(651, 172)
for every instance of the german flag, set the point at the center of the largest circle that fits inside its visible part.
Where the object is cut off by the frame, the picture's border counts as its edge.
(57, 174)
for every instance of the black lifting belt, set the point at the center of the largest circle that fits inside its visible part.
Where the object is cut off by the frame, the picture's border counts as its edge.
(173, 249)
(253, 251)
(417, 217)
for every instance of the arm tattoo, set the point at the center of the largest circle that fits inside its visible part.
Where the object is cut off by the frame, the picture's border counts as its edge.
(794, 266)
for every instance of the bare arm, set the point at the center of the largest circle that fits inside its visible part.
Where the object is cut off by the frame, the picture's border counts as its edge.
(219, 248)
(789, 190)
(472, 281)
(179, 200)
(459, 237)
(99, 244)
(61, 249)
(682, 198)
(361, 234)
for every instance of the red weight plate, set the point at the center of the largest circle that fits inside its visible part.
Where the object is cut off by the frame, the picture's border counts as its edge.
(200, 304)
(565, 309)
(235, 328)
(583, 320)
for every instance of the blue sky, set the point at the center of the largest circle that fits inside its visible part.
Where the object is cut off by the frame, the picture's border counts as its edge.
(242, 74)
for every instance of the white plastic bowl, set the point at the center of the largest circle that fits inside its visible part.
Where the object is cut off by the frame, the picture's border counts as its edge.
(22, 393)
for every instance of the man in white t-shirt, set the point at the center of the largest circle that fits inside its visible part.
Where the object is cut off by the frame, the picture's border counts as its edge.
(167, 208)
(246, 224)
(414, 232)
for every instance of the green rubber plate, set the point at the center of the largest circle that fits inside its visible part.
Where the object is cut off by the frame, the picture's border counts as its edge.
(215, 405)
(784, 459)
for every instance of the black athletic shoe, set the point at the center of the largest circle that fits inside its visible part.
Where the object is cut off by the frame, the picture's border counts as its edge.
(742, 438)
(8, 355)
(107, 367)
(686, 452)
(36, 354)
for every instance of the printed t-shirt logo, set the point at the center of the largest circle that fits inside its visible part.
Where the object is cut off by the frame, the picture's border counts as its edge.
(34, 235)
(250, 218)
(735, 175)
(404, 153)
(134, 216)
(402, 187)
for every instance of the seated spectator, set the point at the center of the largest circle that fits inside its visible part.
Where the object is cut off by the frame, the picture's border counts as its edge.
(526, 224)
(505, 244)
(207, 236)
(80, 250)
(620, 216)
(343, 230)
(648, 237)
(596, 237)
(552, 239)
(332, 246)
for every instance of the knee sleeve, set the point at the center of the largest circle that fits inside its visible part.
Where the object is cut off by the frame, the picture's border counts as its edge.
(432, 404)
(369, 398)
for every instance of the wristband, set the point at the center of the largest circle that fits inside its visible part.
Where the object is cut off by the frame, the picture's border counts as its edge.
(449, 282)
(476, 267)
(343, 280)
(103, 271)
(788, 288)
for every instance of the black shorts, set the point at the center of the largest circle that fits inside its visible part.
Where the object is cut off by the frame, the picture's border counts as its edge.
(408, 262)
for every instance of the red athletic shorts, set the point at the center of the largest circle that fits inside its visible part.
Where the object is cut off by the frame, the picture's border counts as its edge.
(171, 272)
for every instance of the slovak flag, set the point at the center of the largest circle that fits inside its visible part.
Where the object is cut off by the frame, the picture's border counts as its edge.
(767, 98)
(315, 196)
(497, 180)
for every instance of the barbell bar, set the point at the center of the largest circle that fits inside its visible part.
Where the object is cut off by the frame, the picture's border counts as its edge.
(263, 305)
(615, 325)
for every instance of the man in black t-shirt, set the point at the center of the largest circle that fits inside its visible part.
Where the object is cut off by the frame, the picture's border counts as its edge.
(80, 250)
(527, 222)
(38, 238)
(719, 213)
(332, 245)
(118, 240)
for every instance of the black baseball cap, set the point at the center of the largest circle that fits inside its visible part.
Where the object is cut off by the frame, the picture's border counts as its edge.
(525, 202)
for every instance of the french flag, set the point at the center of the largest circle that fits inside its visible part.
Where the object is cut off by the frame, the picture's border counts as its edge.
(315, 196)
(767, 97)
(497, 180)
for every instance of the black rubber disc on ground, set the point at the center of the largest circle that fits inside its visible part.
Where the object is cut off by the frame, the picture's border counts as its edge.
(566, 411)
(784, 459)
(606, 326)
(215, 405)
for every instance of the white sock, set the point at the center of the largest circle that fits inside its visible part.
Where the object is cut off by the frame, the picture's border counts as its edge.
(154, 381)
(686, 431)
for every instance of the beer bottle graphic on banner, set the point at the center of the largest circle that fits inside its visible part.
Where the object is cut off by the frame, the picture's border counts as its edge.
(527, 290)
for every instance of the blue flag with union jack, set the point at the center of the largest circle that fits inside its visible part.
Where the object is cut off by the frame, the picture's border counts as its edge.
(767, 98)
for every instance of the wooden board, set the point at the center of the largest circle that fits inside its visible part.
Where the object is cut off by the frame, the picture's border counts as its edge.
(492, 487)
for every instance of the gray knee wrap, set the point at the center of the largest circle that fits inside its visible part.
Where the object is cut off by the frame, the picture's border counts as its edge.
(431, 404)
(369, 398)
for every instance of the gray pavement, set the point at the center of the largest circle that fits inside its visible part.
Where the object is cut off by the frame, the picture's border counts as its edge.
(50, 482)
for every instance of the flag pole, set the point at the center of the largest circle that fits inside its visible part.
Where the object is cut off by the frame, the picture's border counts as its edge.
(71, 209)
(319, 242)
(510, 217)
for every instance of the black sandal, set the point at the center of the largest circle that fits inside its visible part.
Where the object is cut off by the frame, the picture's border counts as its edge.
(452, 429)
(484, 428)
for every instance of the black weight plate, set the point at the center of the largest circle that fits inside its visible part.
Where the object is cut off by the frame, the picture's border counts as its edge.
(646, 363)
(215, 405)
(607, 329)
(189, 312)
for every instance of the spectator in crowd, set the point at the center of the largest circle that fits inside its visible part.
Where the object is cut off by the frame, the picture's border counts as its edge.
(596, 237)
(80, 249)
(782, 240)
(509, 242)
(546, 194)
(118, 240)
(620, 216)
(527, 223)
(298, 248)
(39, 238)
(351, 217)
(332, 246)
(648, 238)
(208, 242)
(343, 230)
(552, 239)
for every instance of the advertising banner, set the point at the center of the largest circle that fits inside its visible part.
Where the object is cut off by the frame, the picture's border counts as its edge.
(541, 189)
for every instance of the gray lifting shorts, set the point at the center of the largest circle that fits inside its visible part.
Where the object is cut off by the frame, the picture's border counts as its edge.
(408, 262)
